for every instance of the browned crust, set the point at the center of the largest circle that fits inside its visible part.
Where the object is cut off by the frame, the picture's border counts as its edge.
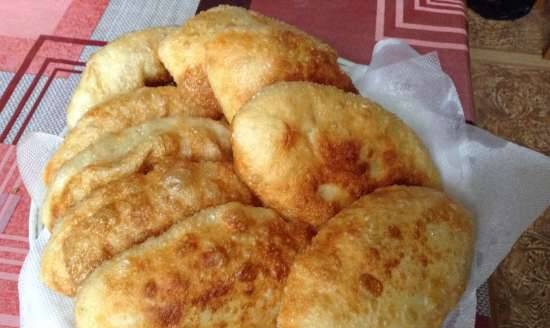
(309, 150)
(398, 257)
(223, 267)
(125, 212)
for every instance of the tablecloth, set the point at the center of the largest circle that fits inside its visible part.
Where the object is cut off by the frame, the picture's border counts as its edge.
(46, 43)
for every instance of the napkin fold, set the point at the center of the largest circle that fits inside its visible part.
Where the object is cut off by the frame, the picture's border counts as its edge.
(504, 185)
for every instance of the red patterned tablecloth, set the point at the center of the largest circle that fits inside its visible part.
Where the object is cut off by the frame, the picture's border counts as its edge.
(42, 50)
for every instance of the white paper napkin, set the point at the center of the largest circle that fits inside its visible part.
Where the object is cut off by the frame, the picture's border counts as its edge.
(504, 185)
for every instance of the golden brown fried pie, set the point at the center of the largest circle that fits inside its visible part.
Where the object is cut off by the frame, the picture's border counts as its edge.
(183, 51)
(134, 149)
(396, 258)
(232, 53)
(223, 267)
(127, 211)
(241, 61)
(125, 64)
(116, 114)
(309, 150)
(150, 196)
